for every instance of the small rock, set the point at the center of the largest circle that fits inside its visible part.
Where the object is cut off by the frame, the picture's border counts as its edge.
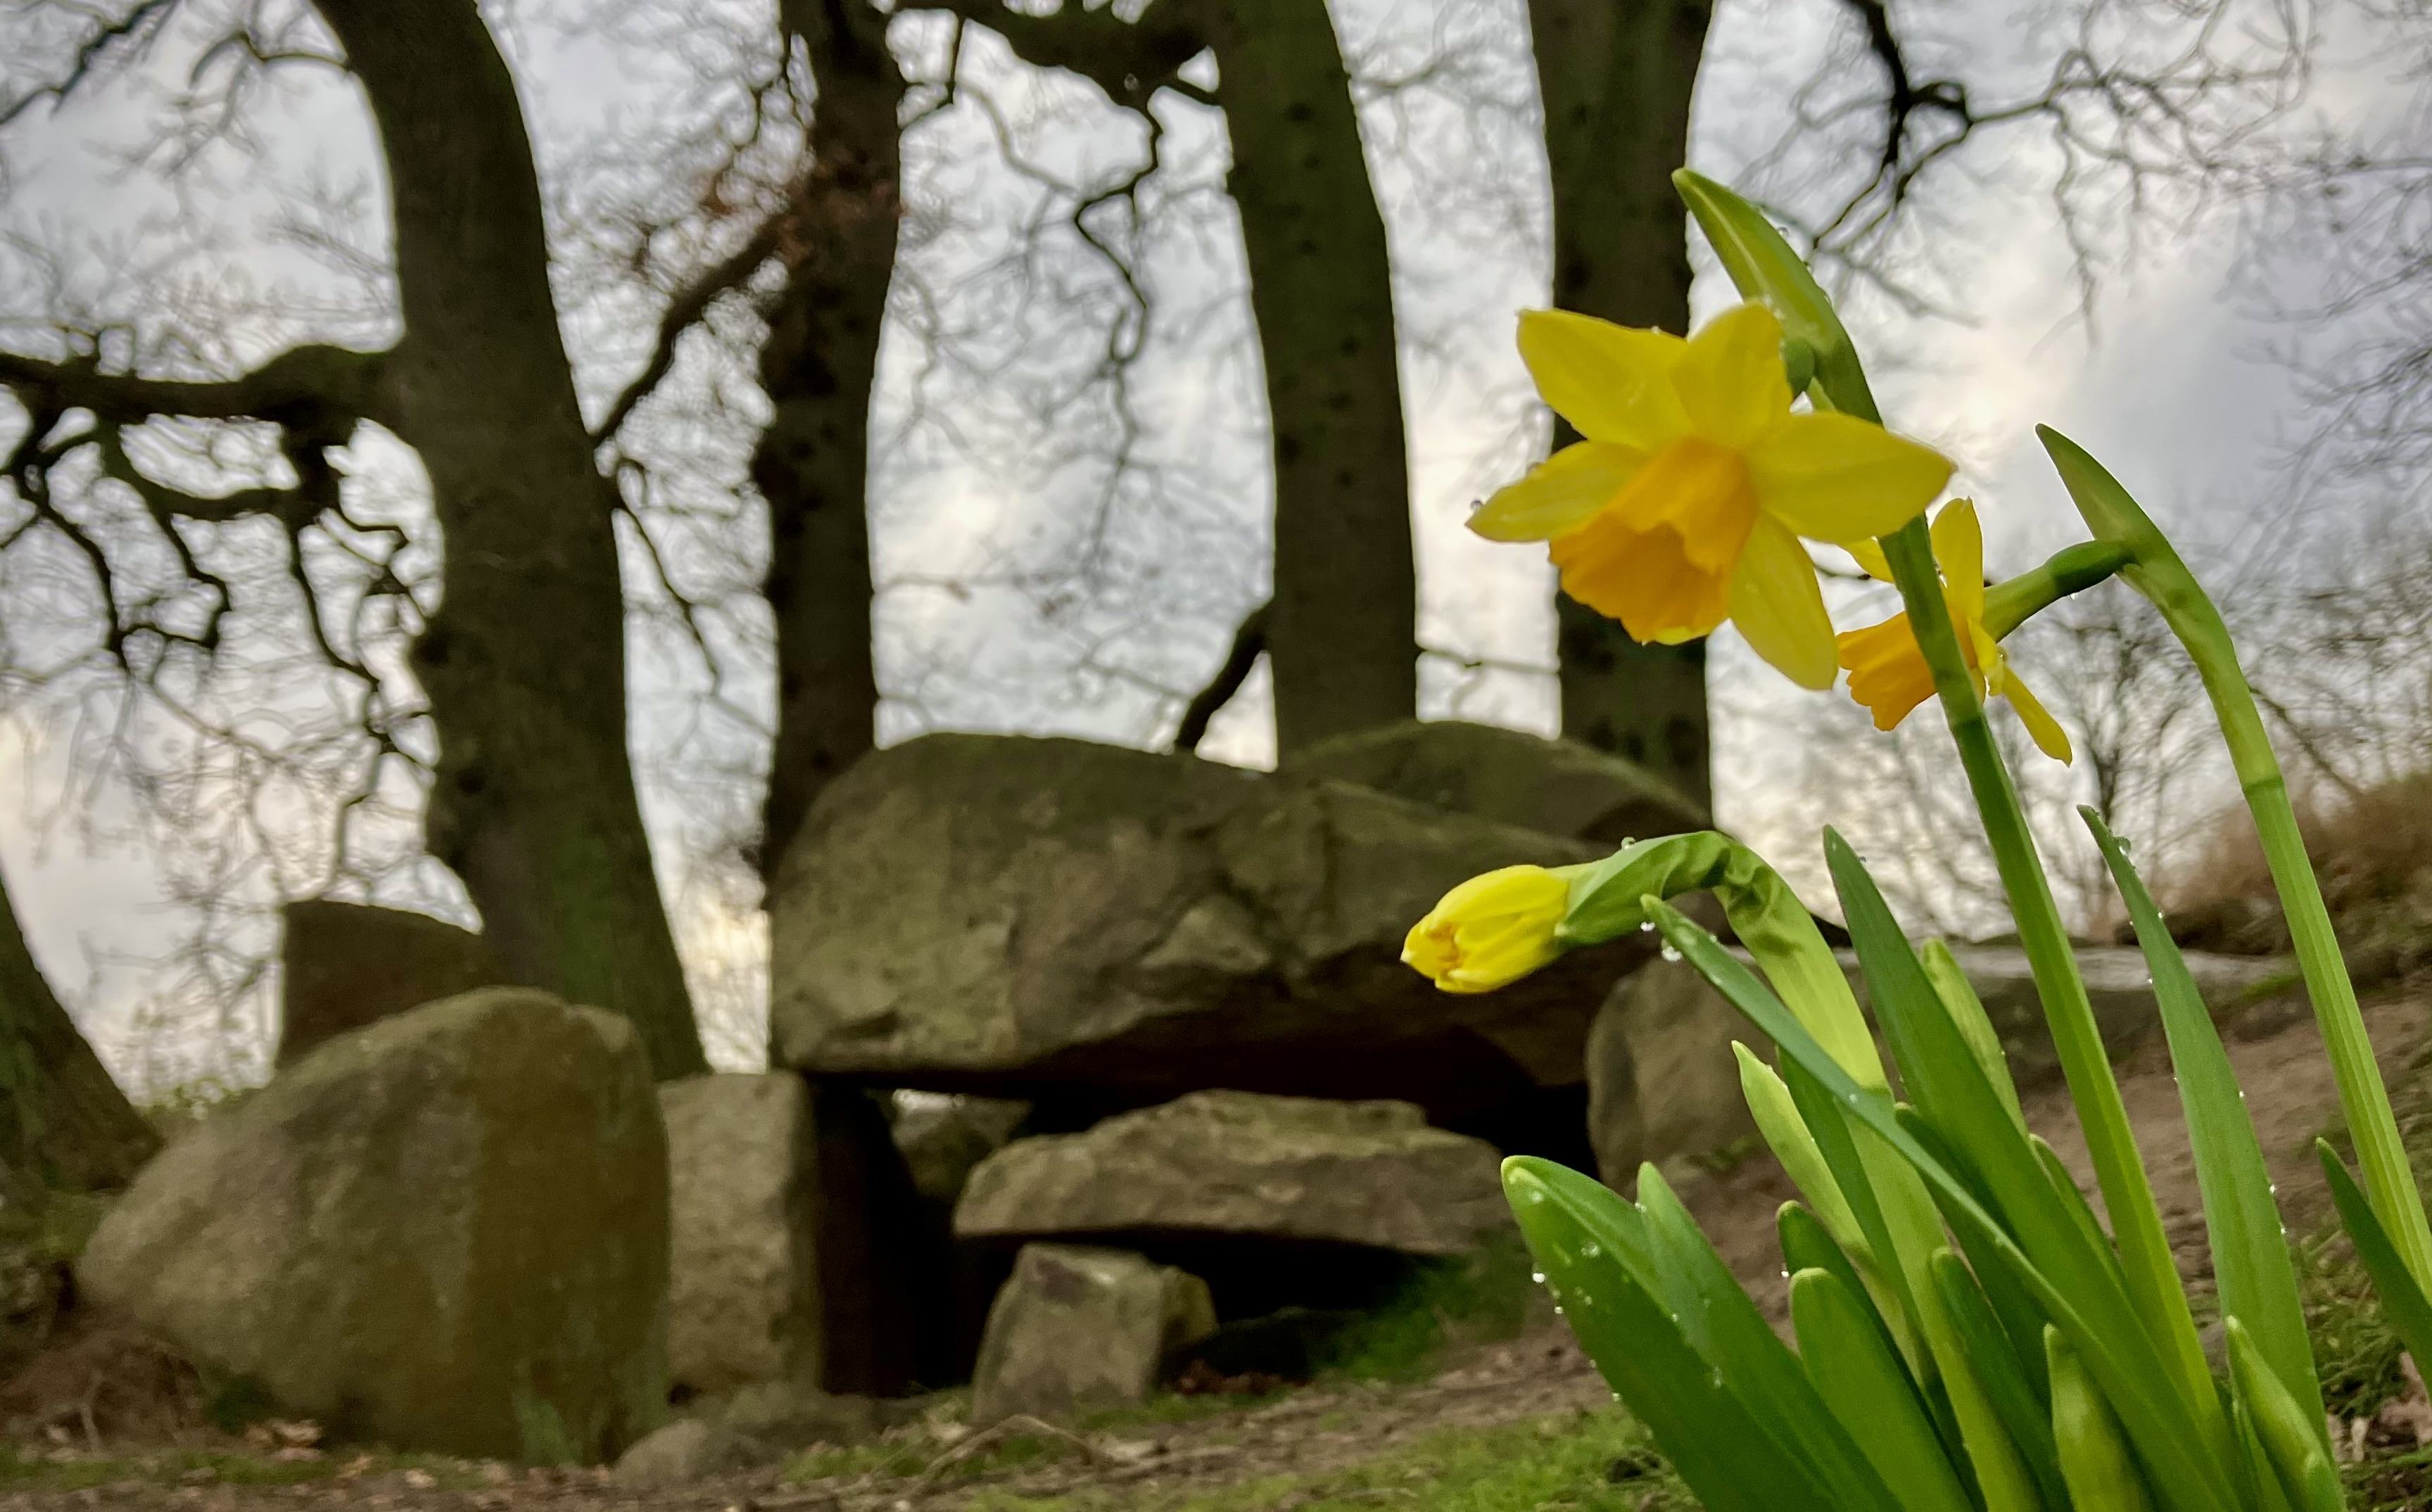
(791, 1417)
(1661, 1079)
(1080, 1328)
(689, 1450)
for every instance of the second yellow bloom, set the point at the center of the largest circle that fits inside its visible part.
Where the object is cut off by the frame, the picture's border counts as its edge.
(1887, 670)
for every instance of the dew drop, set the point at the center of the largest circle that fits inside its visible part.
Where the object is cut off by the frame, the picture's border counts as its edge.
(1591, 1250)
(1671, 955)
(1537, 1276)
(1647, 927)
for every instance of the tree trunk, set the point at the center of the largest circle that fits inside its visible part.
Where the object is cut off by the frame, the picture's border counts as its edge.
(812, 463)
(1615, 76)
(524, 664)
(1342, 639)
(65, 1122)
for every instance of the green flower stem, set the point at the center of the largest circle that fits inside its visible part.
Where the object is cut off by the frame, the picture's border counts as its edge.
(2144, 1249)
(2159, 574)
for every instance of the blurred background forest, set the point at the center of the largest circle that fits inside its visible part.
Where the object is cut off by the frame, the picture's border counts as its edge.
(455, 458)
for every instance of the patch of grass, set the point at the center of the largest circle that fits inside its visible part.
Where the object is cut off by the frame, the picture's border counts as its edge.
(1590, 1461)
(2400, 1484)
(904, 1457)
(1478, 1297)
(1165, 1410)
(887, 1456)
(2355, 1353)
(21, 1470)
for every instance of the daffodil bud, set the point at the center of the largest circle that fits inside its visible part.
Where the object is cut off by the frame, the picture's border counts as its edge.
(1763, 268)
(1492, 929)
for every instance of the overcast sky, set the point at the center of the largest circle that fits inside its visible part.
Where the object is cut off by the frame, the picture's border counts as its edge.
(2171, 381)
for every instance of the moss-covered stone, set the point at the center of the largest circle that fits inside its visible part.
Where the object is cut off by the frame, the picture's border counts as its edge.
(743, 1293)
(1556, 786)
(1079, 1328)
(344, 966)
(446, 1232)
(1051, 918)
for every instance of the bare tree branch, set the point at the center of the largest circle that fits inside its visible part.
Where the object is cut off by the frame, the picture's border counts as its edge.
(1249, 643)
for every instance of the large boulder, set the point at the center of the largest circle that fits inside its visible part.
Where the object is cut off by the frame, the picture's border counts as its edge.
(345, 966)
(743, 1295)
(1056, 919)
(1297, 1170)
(446, 1232)
(1552, 786)
(1081, 1328)
(1662, 1082)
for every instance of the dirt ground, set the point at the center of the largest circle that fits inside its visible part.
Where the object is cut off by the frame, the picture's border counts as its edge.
(1266, 1452)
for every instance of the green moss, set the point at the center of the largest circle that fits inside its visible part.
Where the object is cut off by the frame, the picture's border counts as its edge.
(1482, 1296)
(232, 1401)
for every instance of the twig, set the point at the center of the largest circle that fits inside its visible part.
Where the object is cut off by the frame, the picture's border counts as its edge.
(997, 1432)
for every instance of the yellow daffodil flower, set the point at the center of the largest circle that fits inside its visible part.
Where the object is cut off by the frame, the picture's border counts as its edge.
(1492, 929)
(1685, 504)
(1888, 671)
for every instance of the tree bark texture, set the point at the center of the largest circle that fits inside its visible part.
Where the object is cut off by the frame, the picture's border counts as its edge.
(1342, 639)
(1615, 76)
(524, 663)
(812, 462)
(64, 1121)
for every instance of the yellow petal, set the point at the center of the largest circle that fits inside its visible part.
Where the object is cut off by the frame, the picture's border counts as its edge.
(1613, 382)
(1836, 477)
(2042, 728)
(1959, 547)
(1730, 379)
(1560, 493)
(1872, 560)
(1776, 605)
